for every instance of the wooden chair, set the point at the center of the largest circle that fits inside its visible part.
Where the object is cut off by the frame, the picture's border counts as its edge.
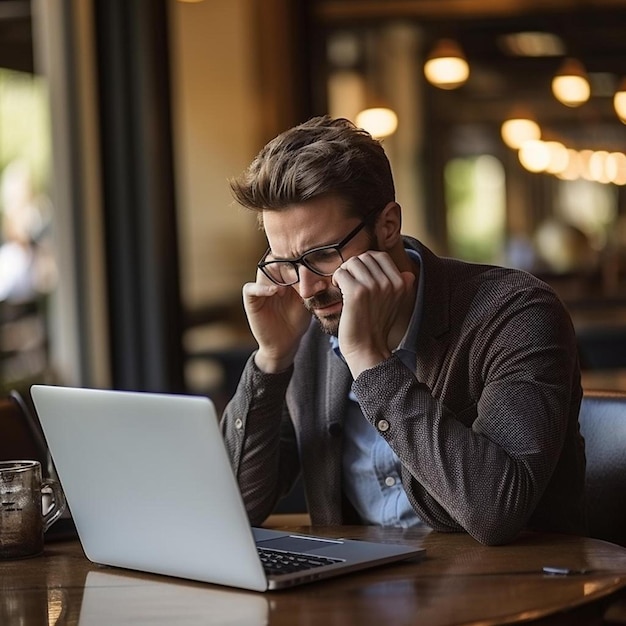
(603, 425)
(20, 434)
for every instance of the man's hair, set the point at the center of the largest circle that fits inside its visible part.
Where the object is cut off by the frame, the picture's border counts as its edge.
(321, 157)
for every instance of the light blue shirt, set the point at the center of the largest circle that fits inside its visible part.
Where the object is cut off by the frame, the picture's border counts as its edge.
(371, 469)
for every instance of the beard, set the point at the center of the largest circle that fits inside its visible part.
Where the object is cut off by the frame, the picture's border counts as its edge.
(328, 323)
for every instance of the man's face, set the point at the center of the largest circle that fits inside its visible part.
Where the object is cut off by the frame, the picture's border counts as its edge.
(302, 227)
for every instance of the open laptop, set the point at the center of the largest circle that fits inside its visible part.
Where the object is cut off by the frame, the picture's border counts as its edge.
(150, 487)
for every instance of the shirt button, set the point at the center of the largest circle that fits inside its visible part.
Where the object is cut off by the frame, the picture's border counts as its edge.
(383, 426)
(238, 423)
(390, 481)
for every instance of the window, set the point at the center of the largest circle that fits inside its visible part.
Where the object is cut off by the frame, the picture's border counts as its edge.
(476, 207)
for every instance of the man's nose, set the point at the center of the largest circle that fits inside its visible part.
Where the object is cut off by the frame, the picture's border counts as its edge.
(311, 283)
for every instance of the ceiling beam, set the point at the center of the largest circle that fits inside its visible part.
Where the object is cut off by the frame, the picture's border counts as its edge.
(341, 10)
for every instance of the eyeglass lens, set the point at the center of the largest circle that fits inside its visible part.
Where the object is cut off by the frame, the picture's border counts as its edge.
(323, 261)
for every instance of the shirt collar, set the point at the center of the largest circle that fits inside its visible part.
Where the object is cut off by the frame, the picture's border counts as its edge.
(409, 341)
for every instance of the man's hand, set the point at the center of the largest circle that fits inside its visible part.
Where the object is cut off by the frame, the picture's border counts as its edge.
(278, 320)
(373, 291)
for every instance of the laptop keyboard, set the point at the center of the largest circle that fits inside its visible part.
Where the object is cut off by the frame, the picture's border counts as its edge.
(281, 562)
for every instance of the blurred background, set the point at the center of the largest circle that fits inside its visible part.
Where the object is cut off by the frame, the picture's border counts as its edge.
(122, 255)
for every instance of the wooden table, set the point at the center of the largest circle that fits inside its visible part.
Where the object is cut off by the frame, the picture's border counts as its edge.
(460, 582)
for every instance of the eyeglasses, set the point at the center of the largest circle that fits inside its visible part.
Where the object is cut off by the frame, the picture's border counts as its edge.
(323, 261)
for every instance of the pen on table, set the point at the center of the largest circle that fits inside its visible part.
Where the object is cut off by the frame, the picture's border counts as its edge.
(564, 571)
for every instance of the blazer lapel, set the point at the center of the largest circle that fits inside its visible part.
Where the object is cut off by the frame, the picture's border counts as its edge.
(435, 323)
(323, 385)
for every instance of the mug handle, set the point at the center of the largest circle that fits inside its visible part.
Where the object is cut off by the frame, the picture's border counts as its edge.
(58, 504)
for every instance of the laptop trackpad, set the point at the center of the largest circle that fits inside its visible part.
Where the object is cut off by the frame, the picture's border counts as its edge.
(296, 544)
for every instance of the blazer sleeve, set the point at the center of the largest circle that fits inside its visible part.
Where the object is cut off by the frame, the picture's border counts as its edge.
(260, 439)
(515, 364)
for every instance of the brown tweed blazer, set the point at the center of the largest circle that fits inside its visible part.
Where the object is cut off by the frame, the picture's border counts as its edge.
(486, 430)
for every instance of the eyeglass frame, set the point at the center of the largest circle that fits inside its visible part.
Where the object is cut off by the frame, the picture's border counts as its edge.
(301, 260)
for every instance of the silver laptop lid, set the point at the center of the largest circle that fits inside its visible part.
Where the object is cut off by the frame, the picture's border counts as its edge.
(134, 508)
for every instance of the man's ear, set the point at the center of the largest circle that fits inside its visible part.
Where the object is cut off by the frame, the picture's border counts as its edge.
(389, 226)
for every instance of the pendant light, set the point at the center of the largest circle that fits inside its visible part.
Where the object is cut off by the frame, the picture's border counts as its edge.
(570, 84)
(518, 128)
(446, 66)
(378, 121)
(619, 101)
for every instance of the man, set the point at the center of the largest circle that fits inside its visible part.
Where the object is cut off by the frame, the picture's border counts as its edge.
(406, 388)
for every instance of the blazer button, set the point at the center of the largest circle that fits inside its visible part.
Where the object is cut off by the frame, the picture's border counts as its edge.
(383, 426)
(335, 429)
(238, 423)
